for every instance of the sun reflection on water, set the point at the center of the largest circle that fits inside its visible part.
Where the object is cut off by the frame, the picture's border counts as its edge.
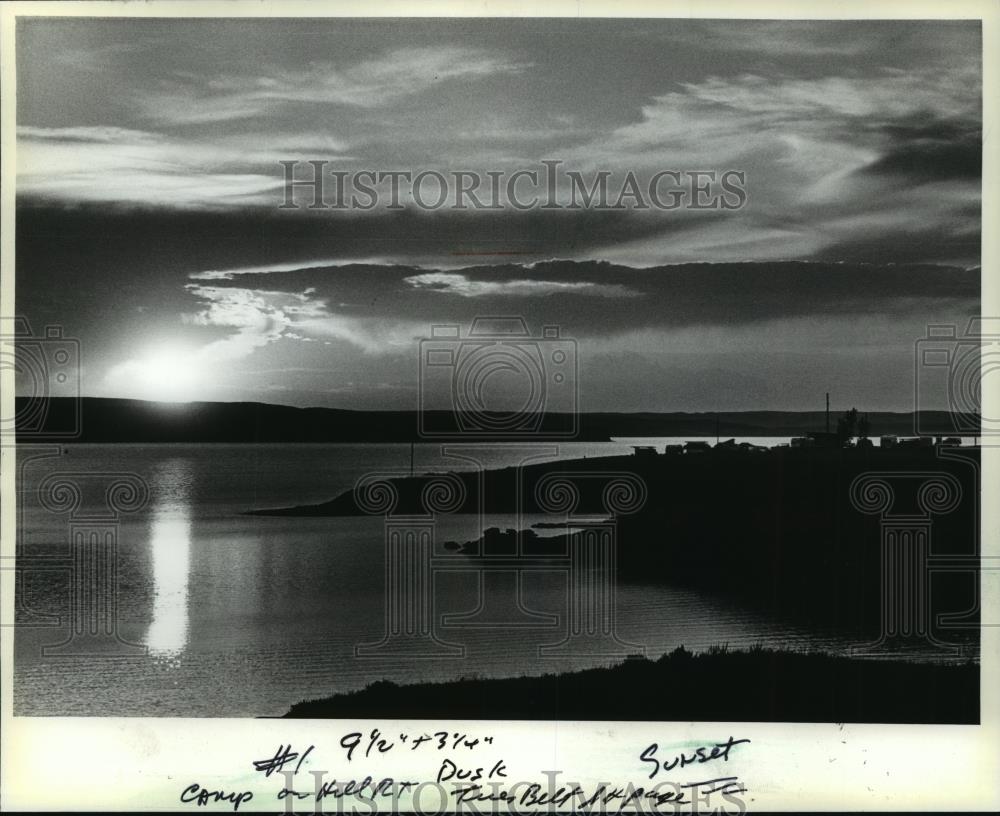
(170, 544)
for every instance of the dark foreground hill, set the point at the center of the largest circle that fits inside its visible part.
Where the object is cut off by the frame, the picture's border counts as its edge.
(750, 686)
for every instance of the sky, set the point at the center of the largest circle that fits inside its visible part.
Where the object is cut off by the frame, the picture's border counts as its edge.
(149, 223)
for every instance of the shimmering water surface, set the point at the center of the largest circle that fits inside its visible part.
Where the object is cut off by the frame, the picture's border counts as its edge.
(242, 615)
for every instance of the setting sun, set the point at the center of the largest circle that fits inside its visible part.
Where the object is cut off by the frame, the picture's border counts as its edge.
(162, 374)
(170, 375)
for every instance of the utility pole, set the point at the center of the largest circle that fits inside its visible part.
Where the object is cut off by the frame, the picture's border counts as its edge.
(828, 412)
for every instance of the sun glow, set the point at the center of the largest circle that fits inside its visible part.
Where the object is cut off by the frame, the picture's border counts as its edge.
(164, 374)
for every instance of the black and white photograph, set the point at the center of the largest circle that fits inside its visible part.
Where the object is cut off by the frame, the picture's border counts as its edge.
(496, 369)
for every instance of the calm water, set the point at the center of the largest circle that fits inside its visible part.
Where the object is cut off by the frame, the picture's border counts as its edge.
(243, 616)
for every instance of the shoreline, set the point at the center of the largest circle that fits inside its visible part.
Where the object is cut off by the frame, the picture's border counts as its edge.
(791, 531)
(500, 493)
(754, 685)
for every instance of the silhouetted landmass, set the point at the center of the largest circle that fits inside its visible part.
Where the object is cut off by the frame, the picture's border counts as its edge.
(777, 529)
(752, 686)
(96, 419)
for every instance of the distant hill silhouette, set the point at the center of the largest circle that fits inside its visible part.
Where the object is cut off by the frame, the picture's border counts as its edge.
(97, 419)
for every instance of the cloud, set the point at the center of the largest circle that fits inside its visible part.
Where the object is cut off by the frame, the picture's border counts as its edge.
(372, 306)
(85, 134)
(100, 164)
(254, 319)
(368, 84)
(463, 286)
(97, 58)
(798, 129)
(816, 151)
(371, 335)
(890, 94)
(829, 147)
(929, 148)
(260, 317)
(291, 266)
(775, 38)
(699, 330)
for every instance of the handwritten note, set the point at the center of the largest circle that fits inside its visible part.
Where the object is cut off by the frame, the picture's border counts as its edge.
(472, 769)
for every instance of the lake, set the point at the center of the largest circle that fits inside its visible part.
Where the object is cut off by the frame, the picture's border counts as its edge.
(245, 615)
